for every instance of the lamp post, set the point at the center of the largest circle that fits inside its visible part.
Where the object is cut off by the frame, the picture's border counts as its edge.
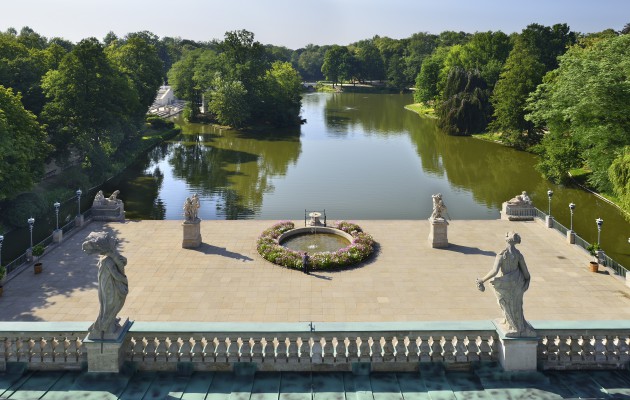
(78, 221)
(570, 234)
(79, 202)
(2, 240)
(29, 254)
(549, 218)
(57, 234)
(599, 222)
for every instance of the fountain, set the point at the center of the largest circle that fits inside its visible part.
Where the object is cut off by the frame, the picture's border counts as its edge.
(315, 239)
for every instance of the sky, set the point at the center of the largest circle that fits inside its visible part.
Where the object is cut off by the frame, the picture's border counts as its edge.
(296, 23)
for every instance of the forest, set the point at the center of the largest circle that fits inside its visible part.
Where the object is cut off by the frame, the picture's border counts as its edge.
(546, 89)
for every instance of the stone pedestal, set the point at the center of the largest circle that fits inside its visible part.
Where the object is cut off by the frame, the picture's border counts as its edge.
(438, 233)
(57, 235)
(516, 354)
(517, 211)
(29, 254)
(549, 221)
(106, 355)
(78, 221)
(570, 237)
(108, 210)
(192, 234)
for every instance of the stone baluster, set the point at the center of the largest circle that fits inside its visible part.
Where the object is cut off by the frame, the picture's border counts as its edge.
(328, 349)
(624, 349)
(600, 348)
(270, 349)
(563, 349)
(576, 349)
(460, 353)
(74, 350)
(282, 350)
(401, 349)
(304, 350)
(185, 349)
(293, 351)
(48, 352)
(220, 350)
(541, 349)
(611, 349)
(588, 348)
(364, 349)
(245, 350)
(485, 348)
(376, 349)
(412, 344)
(232, 350)
(436, 349)
(156, 349)
(30, 343)
(352, 349)
(257, 348)
(389, 348)
(315, 350)
(424, 347)
(472, 349)
(199, 350)
(448, 349)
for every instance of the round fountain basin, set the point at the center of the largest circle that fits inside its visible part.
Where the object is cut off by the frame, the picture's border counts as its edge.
(315, 240)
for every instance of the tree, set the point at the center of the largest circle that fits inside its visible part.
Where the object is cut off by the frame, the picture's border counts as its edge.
(229, 102)
(336, 67)
(429, 76)
(23, 147)
(90, 105)
(283, 88)
(310, 62)
(521, 74)
(370, 62)
(465, 108)
(619, 175)
(138, 60)
(586, 99)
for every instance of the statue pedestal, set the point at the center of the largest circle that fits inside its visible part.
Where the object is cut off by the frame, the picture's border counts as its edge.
(106, 355)
(57, 235)
(517, 211)
(516, 354)
(78, 221)
(570, 237)
(438, 235)
(108, 210)
(192, 234)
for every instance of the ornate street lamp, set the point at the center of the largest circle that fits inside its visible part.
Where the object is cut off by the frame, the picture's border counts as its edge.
(79, 201)
(599, 222)
(549, 194)
(31, 222)
(57, 205)
(571, 207)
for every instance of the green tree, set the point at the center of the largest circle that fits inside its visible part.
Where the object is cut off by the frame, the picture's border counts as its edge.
(587, 99)
(310, 62)
(283, 88)
(90, 105)
(619, 175)
(229, 102)
(138, 60)
(336, 67)
(521, 74)
(23, 147)
(466, 105)
(370, 62)
(429, 76)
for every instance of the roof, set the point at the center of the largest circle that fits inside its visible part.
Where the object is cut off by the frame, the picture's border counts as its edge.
(432, 382)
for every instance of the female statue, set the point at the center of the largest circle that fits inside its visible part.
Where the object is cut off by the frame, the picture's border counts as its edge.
(510, 287)
(112, 282)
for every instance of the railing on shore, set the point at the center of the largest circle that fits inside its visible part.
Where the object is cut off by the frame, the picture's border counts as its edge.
(606, 261)
(386, 346)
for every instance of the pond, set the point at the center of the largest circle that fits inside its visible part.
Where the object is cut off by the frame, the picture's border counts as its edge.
(359, 156)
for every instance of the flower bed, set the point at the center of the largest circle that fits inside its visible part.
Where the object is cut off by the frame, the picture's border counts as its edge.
(358, 250)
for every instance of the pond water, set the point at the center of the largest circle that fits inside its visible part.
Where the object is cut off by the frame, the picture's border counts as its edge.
(359, 156)
(316, 242)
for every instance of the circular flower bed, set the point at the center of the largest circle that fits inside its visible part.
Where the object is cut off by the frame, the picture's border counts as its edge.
(358, 250)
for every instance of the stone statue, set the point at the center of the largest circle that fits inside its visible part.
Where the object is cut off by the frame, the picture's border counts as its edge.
(114, 197)
(112, 283)
(191, 208)
(510, 287)
(195, 206)
(99, 198)
(521, 199)
(438, 206)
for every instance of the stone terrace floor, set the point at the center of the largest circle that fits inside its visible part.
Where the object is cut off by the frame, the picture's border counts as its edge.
(226, 280)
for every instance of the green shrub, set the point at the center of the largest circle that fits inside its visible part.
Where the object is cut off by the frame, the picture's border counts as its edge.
(38, 250)
(24, 206)
(159, 122)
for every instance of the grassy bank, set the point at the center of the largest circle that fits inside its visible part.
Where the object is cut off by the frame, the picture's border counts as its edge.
(421, 109)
